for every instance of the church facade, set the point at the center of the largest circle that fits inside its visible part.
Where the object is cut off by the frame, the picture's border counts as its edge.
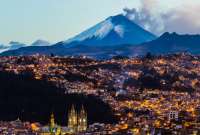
(77, 122)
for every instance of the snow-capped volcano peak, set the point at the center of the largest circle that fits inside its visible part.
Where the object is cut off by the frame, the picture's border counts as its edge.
(99, 31)
(114, 30)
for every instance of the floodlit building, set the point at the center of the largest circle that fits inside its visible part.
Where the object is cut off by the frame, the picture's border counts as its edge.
(77, 122)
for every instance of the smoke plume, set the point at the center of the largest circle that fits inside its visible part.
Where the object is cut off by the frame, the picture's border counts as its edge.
(183, 18)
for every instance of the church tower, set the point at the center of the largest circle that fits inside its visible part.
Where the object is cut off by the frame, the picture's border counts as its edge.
(82, 120)
(72, 120)
(52, 123)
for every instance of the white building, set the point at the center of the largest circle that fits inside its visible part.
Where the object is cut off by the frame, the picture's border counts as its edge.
(173, 115)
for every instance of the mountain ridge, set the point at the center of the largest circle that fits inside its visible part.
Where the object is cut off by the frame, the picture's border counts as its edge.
(170, 43)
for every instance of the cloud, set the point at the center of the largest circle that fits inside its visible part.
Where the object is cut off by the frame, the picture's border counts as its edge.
(183, 18)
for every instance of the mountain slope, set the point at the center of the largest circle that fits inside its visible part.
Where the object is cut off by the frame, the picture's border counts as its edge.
(38, 98)
(3, 48)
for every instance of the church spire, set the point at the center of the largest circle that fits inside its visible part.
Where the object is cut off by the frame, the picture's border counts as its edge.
(77, 122)
(72, 119)
(52, 123)
(82, 126)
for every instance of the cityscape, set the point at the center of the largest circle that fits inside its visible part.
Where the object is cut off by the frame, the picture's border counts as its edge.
(148, 95)
(108, 67)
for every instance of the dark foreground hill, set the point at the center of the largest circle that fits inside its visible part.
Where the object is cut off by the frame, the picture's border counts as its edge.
(23, 97)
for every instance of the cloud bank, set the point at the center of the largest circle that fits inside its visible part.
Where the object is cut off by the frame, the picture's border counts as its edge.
(183, 18)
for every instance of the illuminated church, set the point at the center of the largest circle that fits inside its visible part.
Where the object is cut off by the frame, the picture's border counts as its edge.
(77, 122)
